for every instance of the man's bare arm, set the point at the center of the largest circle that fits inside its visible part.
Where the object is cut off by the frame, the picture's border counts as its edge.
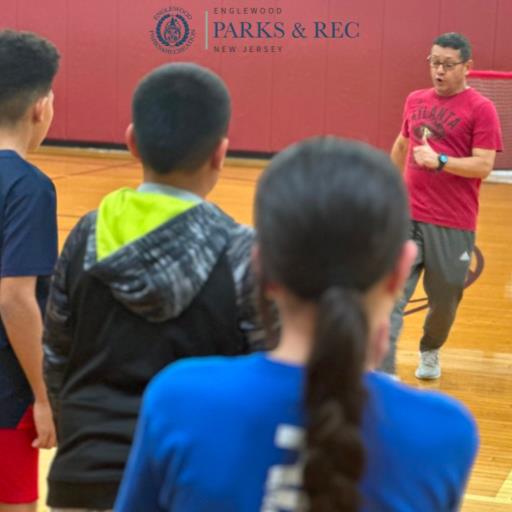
(399, 151)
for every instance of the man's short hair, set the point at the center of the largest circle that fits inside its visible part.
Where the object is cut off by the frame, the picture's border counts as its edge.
(457, 42)
(181, 112)
(28, 64)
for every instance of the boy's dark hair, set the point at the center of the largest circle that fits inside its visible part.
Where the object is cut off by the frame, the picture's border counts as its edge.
(457, 42)
(180, 111)
(28, 64)
(331, 220)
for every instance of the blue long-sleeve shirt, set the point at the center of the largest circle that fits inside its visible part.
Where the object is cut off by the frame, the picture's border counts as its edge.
(224, 435)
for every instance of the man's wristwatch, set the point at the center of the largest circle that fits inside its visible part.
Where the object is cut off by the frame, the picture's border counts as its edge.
(442, 159)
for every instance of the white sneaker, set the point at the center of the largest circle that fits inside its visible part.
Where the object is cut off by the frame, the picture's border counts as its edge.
(429, 368)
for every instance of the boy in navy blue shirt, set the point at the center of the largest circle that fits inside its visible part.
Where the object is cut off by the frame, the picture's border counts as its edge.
(28, 252)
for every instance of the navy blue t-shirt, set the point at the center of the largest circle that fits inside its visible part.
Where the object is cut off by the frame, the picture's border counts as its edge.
(226, 434)
(28, 235)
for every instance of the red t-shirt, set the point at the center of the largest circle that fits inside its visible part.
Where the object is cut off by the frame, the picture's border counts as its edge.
(456, 125)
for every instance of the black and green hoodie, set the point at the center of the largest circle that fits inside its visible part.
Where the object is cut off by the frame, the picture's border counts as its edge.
(152, 276)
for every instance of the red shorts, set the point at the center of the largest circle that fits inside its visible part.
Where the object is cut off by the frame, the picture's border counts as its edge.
(18, 462)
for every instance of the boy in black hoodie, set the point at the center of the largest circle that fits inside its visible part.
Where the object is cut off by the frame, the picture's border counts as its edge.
(154, 275)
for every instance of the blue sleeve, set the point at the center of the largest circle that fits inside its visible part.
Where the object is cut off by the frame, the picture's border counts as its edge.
(463, 448)
(29, 242)
(140, 487)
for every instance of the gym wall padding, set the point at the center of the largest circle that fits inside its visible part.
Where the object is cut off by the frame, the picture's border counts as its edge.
(349, 86)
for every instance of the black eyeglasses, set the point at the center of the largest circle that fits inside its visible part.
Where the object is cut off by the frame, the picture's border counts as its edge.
(447, 66)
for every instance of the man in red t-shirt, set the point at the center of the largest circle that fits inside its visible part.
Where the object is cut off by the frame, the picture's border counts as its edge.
(447, 145)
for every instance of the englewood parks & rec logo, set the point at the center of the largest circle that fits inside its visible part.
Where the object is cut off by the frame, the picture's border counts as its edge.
(172, 33)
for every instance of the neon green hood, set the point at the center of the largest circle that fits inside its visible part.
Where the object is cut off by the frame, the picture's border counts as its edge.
(126, 215)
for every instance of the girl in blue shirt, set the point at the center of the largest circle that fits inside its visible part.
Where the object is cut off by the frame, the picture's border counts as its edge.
(309, 426)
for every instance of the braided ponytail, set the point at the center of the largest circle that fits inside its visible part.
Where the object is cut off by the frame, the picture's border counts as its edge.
(334, 399)
(331, 218)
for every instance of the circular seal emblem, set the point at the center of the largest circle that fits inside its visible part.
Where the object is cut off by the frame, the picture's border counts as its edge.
(172, 33)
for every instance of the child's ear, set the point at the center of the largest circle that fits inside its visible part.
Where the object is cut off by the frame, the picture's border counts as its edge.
(219, 155)
(469, 66)
(131, 141)
(270, 289)
(39, 108)
(399, 276)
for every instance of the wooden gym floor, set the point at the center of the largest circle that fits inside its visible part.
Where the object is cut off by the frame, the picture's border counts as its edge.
(477, 360)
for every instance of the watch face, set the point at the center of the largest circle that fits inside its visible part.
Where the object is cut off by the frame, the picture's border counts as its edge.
(443, 159)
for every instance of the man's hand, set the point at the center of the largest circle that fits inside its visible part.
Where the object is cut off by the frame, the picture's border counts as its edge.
(424, 155)
(45, 427)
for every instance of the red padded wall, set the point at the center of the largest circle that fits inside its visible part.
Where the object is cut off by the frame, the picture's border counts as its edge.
(350, 87)
(8, 14)
(354, 74)
(503, 37)
(407, 33)
(51, 23)
(92, 70)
